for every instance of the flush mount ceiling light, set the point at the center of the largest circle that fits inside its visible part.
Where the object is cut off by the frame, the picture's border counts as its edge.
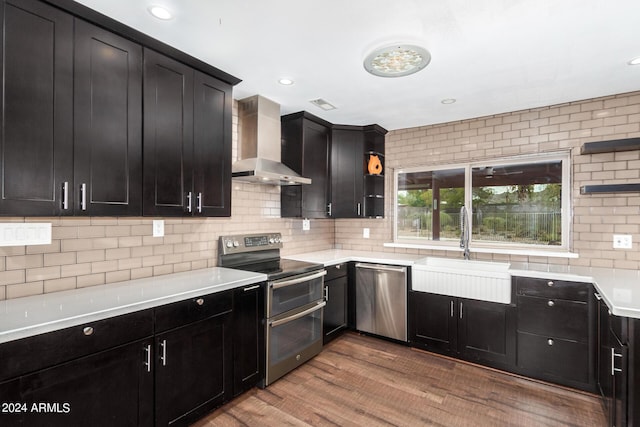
(634, 61)
(160, 12)
(285, 82)
(448, 101)
(397, 60)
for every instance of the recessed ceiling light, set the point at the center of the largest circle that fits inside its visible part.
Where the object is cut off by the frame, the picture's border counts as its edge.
(160, 12)
(325, 105)
(448, 101)
(285, 81)
(634, 61)
(397, 60)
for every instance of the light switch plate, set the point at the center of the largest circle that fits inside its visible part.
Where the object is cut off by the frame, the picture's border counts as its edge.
(25, 233)
(306, 225)
(365, 233)
(158, 227)
(622, 241)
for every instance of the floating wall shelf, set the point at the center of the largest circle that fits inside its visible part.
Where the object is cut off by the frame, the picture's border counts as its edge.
(611, 146)
(609, 188)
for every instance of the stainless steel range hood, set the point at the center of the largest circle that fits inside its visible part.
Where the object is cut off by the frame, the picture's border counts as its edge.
(259, 145)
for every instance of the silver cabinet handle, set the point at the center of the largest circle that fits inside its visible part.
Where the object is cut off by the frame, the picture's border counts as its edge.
(147, 361)
(88, 330)
(613, 363)
(551, 303)
(250, 288)
(199, 202)
(163, 356)
(451, 304)
(358, 209)
(200, 301)
(550, 341)
(65, 195)
(83, 196)
(550, 283)
(338, 267)
(461, 310)
(326, 293)
(189, 196)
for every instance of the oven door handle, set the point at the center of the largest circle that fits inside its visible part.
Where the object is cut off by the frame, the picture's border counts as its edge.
(300, 279)
(306, 312)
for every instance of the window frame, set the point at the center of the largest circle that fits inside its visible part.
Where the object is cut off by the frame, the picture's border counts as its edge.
(565, 207)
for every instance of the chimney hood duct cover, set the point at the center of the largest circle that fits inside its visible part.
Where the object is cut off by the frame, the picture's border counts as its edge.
(259, 145)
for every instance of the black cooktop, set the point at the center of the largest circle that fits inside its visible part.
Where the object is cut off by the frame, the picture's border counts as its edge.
(280, 268)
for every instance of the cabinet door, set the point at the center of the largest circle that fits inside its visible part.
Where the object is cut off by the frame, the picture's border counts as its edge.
(111, 388)
(36, 157)
(335, 312)
(432, 321)
(315, 196)
(212, 146)
(486, 331)
(248, 338)
(168, 137)
(347, 148)
(108, 123)
(192, 370)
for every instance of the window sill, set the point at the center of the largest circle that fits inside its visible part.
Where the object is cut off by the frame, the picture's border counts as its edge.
(505, 251)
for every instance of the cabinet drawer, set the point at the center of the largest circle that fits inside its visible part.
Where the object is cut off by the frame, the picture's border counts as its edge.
(41, 351)
(554, 289)
(554, 318)
(188, 311)
(542, 357)
(335, 271)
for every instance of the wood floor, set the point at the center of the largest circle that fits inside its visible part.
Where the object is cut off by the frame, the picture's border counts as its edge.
(363, 381)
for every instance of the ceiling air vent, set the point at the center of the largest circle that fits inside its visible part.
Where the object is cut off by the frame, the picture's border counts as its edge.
(323, 104)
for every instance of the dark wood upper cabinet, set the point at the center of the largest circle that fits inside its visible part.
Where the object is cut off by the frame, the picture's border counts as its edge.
(347, 147)
(306, 149)
(212, 146)
(168, 136)
(72, 119)
(37, 109)
(108, 123)
(187, 140)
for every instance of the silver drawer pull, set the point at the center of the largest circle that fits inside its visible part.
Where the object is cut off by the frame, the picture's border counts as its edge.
(250, 288)
(88, 330)
(338, 267)
(147, 361)
(550, 283)
(550, 341)
(551, 303)
(200, 301)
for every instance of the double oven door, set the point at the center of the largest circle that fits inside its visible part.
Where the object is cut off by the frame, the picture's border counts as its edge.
(294, 322)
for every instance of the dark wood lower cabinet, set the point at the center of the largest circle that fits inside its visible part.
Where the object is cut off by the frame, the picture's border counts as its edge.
(191, 370)
(334, 320)
(473, 330)
(110, 388)
(248, 338)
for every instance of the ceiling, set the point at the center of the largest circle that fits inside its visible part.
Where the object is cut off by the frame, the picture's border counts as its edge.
(491, 56)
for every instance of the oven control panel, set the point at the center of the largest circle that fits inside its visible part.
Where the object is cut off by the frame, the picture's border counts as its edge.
(249, 243)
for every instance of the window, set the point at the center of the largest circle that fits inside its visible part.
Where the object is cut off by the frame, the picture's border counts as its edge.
(519, 202)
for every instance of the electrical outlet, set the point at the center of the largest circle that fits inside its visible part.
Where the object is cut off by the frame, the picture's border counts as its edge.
(622, 241)
(158, 227)
(306, 225)
(365, 233)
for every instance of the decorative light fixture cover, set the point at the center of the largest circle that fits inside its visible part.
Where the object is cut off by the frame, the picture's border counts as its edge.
(397, 60)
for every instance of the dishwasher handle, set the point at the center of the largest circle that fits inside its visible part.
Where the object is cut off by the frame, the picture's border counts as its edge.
(381, 267)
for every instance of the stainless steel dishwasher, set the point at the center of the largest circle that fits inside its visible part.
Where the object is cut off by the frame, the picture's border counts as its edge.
(381, 300)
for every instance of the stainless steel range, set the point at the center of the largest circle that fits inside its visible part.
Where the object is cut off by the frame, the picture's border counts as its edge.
(294, 299)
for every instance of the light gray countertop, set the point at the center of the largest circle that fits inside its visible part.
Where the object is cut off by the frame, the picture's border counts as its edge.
(28, 316)
(619, 288)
